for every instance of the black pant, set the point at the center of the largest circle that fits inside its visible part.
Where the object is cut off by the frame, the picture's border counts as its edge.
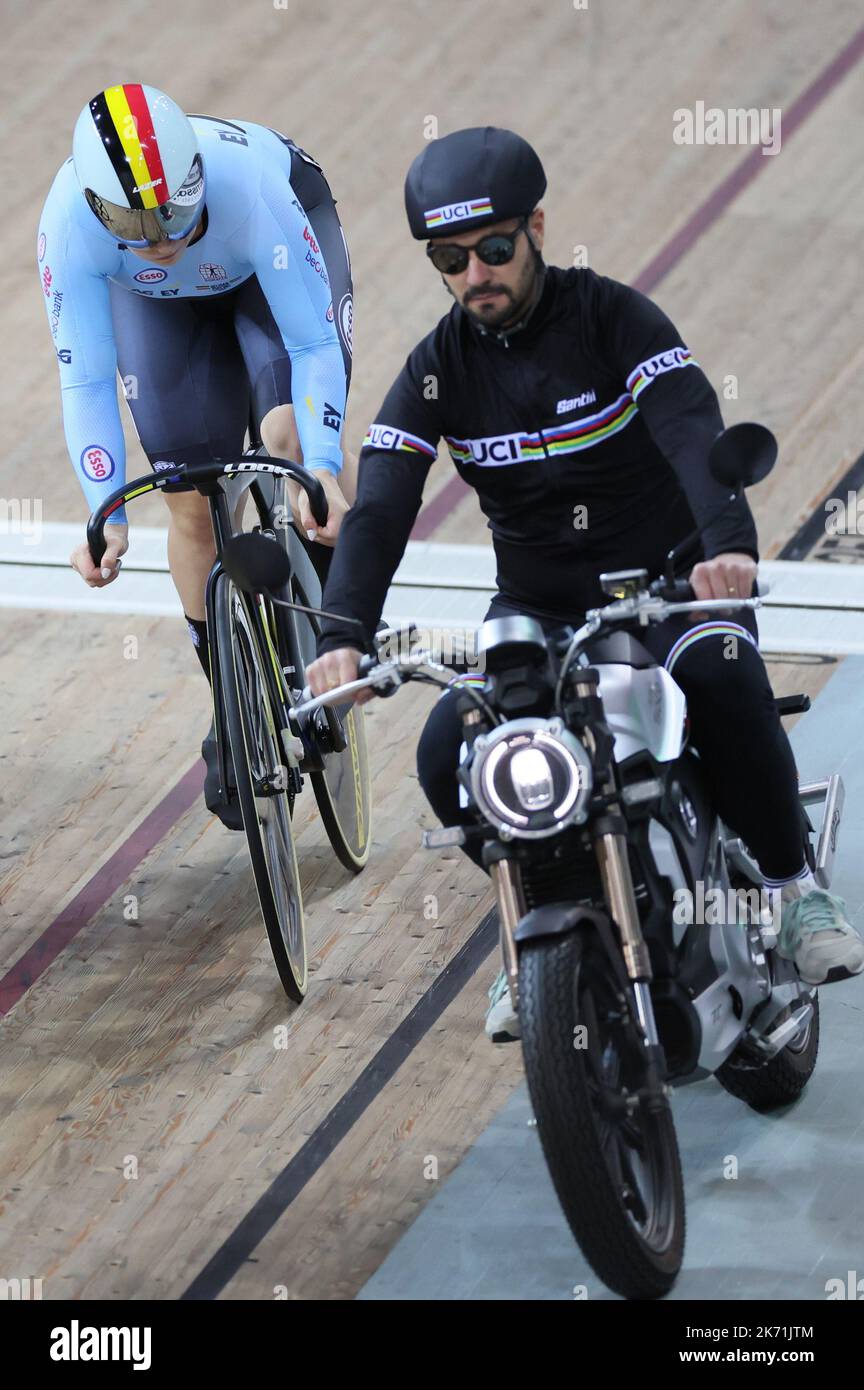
(734, 725)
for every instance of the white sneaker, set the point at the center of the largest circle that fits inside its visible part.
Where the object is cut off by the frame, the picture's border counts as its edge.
(502, 1020)
(815, 934)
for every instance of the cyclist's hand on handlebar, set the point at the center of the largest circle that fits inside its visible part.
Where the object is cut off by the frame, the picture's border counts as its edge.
(97, 576)
(336, 508)
(731, 575)
(336, 668)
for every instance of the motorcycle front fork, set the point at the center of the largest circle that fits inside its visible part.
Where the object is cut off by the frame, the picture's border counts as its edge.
(612, 857)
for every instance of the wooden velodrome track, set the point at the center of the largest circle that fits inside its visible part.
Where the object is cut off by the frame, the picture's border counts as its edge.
(155, 1137)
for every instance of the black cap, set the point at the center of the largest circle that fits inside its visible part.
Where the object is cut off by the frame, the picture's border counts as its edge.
(470, 178)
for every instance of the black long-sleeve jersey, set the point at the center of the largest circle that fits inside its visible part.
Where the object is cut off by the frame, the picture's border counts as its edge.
(585, 434)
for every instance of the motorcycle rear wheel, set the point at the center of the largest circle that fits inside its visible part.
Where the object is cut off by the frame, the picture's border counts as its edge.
(616, 1170)
(781, 1081)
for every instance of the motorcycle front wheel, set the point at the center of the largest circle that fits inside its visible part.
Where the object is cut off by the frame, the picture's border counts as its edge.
(614, 1164)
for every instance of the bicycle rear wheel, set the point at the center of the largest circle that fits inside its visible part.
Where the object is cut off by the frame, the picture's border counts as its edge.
(344, 793)
(261, 783)
(343, 789)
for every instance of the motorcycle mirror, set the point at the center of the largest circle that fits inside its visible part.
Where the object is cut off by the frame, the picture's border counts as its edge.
(742, 455)
(256, 563)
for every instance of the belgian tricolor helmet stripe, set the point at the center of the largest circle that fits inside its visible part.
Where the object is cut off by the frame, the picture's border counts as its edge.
(123, 119)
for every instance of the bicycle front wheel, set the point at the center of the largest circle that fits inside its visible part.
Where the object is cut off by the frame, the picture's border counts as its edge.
(261, 783)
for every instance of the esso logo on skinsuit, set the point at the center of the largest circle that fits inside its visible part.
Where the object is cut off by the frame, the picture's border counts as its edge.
(41, 246)
(151, 276)
(96, 463)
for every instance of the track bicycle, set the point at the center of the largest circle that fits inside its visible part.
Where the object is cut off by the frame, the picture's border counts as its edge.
(260, 646)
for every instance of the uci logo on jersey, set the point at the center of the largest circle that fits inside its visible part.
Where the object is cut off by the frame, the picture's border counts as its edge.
(665, 361)
(151, 276)
(493, 452)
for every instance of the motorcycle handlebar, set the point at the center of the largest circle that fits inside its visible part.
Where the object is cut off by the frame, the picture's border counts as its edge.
(681, 591)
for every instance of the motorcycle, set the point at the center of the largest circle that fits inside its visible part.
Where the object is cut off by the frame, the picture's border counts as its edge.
(599, 834)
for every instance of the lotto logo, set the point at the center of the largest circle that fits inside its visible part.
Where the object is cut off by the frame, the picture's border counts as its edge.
(307, 236)
(96, 463)
(47, 278)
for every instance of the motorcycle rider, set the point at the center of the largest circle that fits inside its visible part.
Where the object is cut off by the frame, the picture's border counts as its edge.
(571, 404)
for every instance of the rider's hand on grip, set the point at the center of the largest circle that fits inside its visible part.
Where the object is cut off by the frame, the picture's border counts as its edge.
(106, 571)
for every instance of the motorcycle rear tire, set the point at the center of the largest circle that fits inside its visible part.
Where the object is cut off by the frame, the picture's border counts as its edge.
(781, 1081)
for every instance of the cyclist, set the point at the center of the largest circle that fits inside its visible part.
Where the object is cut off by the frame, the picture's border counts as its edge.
(203, 259)
(572, 406)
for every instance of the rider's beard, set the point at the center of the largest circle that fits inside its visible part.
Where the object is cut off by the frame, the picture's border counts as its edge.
(519, 299)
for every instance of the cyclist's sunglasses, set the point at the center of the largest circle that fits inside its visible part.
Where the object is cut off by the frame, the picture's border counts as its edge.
(496, 249)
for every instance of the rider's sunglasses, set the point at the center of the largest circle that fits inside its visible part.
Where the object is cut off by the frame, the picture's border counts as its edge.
(496, 249)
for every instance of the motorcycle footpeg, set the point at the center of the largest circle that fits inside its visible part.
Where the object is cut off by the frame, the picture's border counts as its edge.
(764, 1047)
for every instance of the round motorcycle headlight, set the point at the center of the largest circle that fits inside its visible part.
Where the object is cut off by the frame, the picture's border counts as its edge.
(531, 777)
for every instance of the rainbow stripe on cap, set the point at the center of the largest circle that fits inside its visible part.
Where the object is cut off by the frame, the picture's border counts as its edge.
(456, 212)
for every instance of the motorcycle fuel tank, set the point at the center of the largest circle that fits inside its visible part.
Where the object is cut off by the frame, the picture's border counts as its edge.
(644, 708)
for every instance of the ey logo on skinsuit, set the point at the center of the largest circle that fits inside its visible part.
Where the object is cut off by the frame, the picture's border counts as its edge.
(332, 416)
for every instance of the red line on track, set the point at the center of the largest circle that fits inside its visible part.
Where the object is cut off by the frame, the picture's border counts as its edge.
(99, 889)
(454, 490)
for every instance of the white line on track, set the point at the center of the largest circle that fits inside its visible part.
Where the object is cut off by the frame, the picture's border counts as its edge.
(814, 608)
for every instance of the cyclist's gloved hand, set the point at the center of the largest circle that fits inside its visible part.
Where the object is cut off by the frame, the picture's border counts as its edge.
(97, 576)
